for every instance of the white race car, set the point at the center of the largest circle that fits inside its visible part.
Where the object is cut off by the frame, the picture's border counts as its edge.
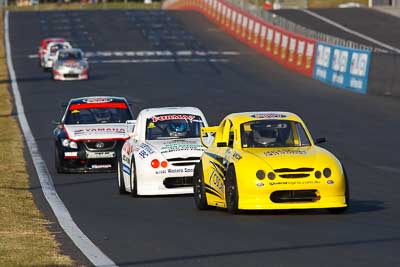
(49, 55)
(159, 156)
(70, 64)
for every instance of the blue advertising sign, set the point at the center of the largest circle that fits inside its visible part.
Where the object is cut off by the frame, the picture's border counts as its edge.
(342, 67)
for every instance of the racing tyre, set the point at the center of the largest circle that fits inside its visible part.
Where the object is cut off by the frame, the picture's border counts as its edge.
(57, 162)
(231, 191)
(121, 182)
(200, 198)
(347, 197)
(133, 179)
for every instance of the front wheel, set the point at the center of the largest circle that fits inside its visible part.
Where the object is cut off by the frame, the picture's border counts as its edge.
(200, 198)
(57, 162)
(133, 179)
(121, 181)
(231, 191)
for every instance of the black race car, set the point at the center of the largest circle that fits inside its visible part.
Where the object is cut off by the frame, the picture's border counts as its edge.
(91, 134)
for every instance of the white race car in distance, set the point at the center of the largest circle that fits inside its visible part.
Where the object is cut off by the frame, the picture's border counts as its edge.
(160, 155)
(49, 55)
(70, 64)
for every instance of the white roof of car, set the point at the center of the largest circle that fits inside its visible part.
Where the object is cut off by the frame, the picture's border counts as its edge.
(150, 112)
(56, 43)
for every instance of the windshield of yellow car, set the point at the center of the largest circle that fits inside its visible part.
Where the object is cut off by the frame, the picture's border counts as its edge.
(173, 126)
(273, 133)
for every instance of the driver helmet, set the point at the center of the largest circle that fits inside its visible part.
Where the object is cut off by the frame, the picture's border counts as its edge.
(103, 115)
(264, 136)
(177, 129)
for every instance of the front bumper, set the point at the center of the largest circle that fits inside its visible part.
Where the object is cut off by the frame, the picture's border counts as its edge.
(297, 194)
(70, 74)
(168, 181)
(255, 203)
(81, 160)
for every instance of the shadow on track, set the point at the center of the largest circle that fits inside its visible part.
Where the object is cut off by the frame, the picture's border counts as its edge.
(356, 206)
(261, 251)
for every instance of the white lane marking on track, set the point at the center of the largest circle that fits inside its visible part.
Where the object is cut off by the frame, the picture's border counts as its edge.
(343, 28)
(166, 60)
(90, 250)
(155, 53)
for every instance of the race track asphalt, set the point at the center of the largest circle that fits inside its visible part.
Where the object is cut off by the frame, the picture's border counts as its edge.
(361, 130)
(370, 22)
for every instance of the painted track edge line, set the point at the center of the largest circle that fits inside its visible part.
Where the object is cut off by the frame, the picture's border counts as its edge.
(88, 248)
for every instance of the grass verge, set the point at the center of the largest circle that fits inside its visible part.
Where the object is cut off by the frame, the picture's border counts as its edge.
(24, 238)
(79, 6)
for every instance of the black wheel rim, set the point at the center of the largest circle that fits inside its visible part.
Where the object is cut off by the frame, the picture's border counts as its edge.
(231, 194)
(198, 188)
(132, 178)
(119, 174)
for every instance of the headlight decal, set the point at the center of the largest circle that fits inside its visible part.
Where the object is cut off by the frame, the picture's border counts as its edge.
(69, 143)
(260, 174)
(327, 172)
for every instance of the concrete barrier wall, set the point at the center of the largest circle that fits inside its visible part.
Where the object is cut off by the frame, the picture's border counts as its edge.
(384, 77)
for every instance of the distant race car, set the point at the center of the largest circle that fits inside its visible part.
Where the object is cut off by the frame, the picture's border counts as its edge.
(91, 134)
(42, 49)
(51, 51)
(70, 64)
(160, 155)
(268, 160)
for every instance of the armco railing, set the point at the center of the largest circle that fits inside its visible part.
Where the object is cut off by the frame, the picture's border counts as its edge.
(294, 27)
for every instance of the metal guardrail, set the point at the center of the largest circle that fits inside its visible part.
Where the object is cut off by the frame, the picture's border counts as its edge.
(294, 27)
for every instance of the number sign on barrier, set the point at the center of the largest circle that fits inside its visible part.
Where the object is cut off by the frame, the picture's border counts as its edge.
(342, 67)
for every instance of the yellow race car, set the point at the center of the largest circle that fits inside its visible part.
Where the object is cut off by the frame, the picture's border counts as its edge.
(267, 161)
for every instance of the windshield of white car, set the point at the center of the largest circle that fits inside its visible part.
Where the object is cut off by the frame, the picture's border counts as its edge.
(97, 114)
(273, 133)
(70, 55)
(173, 126)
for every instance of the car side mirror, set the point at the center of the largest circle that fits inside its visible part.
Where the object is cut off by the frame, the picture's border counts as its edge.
(205, 135)
(222, 144)
(55, 122)
(320, 140)
(130, 127)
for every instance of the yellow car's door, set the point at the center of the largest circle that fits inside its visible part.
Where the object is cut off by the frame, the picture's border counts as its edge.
(215, 164)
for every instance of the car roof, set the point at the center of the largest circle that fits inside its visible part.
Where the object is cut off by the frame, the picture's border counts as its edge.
(51, 39)
(97, 99)
(239, 118)
(150, 112)
(71, 50)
